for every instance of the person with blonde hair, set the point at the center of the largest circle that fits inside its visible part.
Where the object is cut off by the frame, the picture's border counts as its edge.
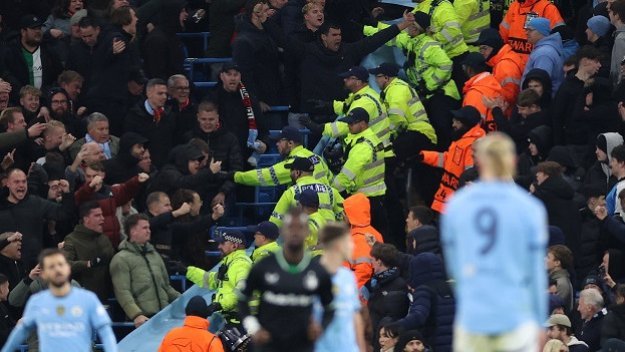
(488, 245)
(555, 346)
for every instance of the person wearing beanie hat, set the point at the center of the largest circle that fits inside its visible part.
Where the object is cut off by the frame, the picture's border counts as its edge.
(507, 65)
(429, 71)
(411, 341)
(193, 335)
(546, 52)
(265, 236)
(598, 26)
(458, 157)
(480, 88)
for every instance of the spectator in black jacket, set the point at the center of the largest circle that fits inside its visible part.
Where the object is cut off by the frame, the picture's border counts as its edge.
(179, 90)
(123, 166)
(154, 121)
(223, 145)
(162, 50)
(600, 174)
(221, 26)
(592, 311)
(236, 112)
(538, 80)
(598, 33)
(256, 53)
(614, 322)
(557, 196)
(11, 263)
(46, 65)
(82, 53)
(422, 236)
(386, 292)
(22, 212)
(539, 140)
(7, 321)
(527, 116)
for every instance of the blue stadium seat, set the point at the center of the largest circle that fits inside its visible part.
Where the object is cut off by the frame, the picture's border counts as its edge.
(191, 62)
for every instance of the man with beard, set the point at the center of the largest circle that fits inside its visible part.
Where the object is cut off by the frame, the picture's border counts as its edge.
(289, 282)
(233, 270)
(60, 110)
(29, 63)
(239, 111)
(459, 156)
(18, 210)
(64, 316)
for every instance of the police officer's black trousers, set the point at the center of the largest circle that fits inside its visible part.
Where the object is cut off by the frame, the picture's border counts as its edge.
(438, 108)
(393, 208)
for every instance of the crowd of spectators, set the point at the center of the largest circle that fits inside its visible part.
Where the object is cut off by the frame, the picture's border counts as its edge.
(110, 152)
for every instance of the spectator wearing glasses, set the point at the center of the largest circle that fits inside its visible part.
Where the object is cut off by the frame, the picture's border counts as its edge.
(179, 92)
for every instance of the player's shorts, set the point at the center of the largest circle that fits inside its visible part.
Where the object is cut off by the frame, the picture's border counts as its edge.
(522, 339)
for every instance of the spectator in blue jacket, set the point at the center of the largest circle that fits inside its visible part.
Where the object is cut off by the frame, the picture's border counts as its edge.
(433, 306)
(546, 52)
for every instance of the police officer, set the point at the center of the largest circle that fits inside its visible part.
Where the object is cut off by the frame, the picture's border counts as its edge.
(409, 121)
(474, 17)
(364, 168)
(234, 267)
(429, 70)
(331, 202)
(265, 236)
(289, 146)
(446, 29)
(309, 202)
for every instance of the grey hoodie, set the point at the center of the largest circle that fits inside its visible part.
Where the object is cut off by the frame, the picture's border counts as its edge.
(613, 140)
(618, 53)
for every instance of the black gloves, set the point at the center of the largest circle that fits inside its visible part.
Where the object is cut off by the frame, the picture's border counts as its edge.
(320, 106)
(213, 307)
(314, 127)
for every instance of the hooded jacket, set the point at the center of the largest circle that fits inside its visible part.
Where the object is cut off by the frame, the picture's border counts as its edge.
(224, 147)
(600, 174)
(388, 296)
(83, 245)
(175, 174)
(508, 68)
(432, 308)
(109, 198)
(140, 280)
(543, 77)
(546, 56)
(193, 336)
(454, 162)
(123, 166)
(256, 53)
(358, 211)
(482, 85)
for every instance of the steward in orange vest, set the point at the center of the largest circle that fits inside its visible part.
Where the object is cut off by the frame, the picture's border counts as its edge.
(512, 28)
(459, 156)
(481, 84)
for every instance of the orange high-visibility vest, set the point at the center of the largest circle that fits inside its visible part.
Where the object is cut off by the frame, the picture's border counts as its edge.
(482, 85)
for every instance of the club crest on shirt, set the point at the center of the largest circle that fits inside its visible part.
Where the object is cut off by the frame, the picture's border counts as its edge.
(76, 311)
(60, 311)
(310, 281)
(272, 278)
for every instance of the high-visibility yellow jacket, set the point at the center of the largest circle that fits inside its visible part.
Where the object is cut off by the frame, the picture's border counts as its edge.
(278, 175)
(474, 17)
(428, 66)
(226, 281)
(445, 25)
(405, 109)
(330, 201)
(368, 99)
(316, 221)
(264, 251)
(363, 171)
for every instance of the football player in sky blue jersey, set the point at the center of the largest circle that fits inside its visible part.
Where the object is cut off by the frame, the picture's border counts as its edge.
(345, 332)
(494, 236)
(64, 316)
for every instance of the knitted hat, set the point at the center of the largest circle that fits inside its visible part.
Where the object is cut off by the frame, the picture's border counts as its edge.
(599, 25)
(490, 37)
(197, 307)
(468, 115)
(423, 19)
(540, 24)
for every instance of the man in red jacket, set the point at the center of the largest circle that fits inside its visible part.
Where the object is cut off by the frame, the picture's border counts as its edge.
(108, 197)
